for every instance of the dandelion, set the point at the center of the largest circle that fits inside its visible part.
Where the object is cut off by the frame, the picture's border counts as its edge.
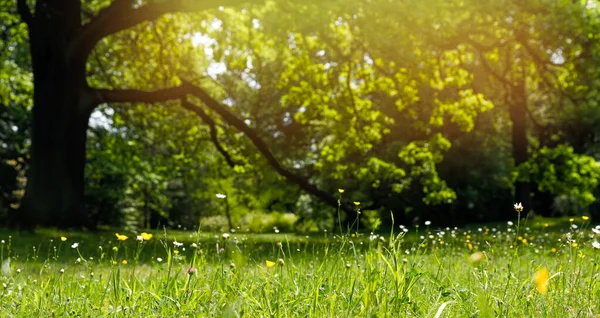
(518, 207)
(269, 264)
(542, 280)
(75, 245)
(220, 195)
(62, 238)
(121, 237)
(341, 190)
(553, 250)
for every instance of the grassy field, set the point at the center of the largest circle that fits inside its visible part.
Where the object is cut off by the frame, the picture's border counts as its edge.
(538, 268)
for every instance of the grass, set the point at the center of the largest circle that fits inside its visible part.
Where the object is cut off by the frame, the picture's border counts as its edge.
(485, 271)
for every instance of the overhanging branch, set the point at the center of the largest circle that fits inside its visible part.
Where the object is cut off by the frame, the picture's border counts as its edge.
(138, 96)
(180, 93)
(263, 148)
(121, 15)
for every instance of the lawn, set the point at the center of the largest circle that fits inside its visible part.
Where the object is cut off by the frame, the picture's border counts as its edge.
(537, 268)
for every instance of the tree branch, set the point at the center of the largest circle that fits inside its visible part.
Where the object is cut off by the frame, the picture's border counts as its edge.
(25, 13)
(263, 148)
(180, 92)
(213, 129)
(121, 15)
(138, 96)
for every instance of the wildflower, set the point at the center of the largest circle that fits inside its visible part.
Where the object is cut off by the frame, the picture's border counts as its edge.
(596, 244)
(279, 244)
(470, 246)
(476, 257)
(191, 270)
(194, 245)
(575, 244)
(75, 245)
(341, 190)
(232, 265)
(62, 270)
(585, 217)
(553, 250)
(124, 262)
(139, 238)
(427, 223)
(542, 280)
(348, 265)
(510, 223)
(62, 238)
(518, 207)
(121, 237)
(18, 270)
(177, 244)
(158, 259)
(280, 261)
(546, 225)
(356, 203)
(596, 230)
(220, 196)
(571, 220)
(269, 264)
(146, 236)
(225, 236)
(176, 252)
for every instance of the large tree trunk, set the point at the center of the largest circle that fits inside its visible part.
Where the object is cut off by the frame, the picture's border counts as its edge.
(62, 106)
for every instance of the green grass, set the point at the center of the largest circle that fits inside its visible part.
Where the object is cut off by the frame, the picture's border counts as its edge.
(425, 272)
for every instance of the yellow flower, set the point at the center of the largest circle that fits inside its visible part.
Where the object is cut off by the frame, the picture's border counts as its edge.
(553, 250)
(271, 264)
(146, 236)
(524, 241)
(62, 238)
(114, 262)
(341, 190)
(542, 280)
(124, 262)
(470, 246)
(176, 252)
(356, 203)
(546, 225)
(121, 237)
(585, 217)
(571, 220)
(574, 244)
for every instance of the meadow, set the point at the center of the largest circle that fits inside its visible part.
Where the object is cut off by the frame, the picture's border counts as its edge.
(529, 268)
